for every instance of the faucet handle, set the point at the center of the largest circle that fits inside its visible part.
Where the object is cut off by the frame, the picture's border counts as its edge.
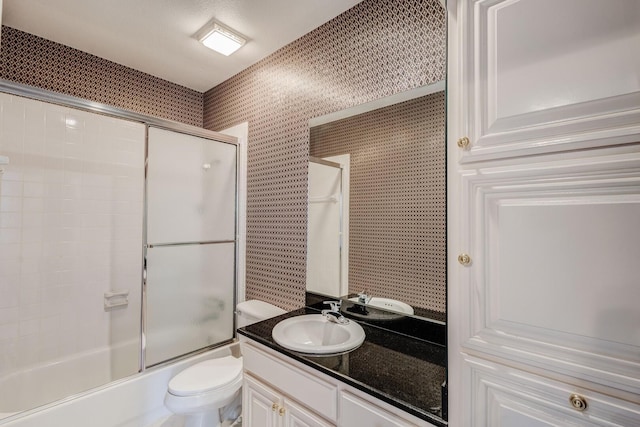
(363, 298)
(335, 305)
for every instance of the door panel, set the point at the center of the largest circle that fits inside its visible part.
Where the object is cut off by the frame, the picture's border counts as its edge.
(189, 298)
(260, 404)
(191, 190)
(544, 81)
(555, 271)
(506, 397)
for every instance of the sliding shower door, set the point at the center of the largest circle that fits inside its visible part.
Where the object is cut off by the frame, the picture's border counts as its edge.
(191, 244)
(71, 235)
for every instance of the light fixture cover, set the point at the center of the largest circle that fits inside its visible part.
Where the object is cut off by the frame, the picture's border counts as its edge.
(221, 39)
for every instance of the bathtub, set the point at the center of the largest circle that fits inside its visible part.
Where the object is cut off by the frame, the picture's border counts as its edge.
(134, 401)
(40, 385)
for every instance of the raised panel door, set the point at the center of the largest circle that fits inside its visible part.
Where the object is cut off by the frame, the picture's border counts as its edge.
(260, 404)
(542, 75)
(554, 277)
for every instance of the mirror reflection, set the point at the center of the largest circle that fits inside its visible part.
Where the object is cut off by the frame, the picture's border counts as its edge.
(377, 204)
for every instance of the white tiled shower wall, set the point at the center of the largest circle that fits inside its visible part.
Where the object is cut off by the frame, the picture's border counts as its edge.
(71, 209)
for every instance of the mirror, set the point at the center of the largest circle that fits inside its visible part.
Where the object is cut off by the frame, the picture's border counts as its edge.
(377, 203)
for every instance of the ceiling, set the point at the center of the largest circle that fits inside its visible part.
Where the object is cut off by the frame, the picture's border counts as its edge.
(156, 36)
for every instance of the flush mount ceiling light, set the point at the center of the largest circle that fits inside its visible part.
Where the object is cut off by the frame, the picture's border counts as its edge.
(220, 38)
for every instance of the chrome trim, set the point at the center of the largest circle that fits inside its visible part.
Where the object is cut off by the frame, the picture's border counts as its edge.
(143, 301)
(51, 97)
(236, 261)
(209, 242)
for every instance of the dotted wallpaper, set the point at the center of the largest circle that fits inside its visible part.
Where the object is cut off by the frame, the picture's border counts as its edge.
(32, 60)
(397, 204)
(376, 49)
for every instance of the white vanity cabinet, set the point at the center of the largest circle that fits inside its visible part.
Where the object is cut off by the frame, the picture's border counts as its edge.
(281, 392)
(544, 212)
(265, 407)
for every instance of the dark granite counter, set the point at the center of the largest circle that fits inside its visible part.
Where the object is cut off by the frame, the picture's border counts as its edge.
(391, 365)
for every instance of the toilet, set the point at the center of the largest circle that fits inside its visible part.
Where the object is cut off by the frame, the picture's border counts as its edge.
(209, 393)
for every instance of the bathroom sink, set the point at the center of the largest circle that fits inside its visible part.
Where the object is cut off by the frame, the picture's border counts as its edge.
(388, 304)
(315, 334)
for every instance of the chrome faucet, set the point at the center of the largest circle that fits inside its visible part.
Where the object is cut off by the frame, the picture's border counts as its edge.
(363, 298)
(333, 314)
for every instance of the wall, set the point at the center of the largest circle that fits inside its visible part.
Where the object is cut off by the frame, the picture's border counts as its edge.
(71, 208)
(376, 49)
(32, 60)
(397, 238)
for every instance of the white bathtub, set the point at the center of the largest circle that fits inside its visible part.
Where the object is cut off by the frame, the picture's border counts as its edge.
(39, 385)
(132, 402)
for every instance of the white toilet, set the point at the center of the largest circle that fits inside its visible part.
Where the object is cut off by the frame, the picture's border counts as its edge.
(208, 393)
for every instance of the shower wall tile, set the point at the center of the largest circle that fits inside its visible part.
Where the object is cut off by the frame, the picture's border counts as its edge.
(32, 60)
(71, 209)
(377, 48)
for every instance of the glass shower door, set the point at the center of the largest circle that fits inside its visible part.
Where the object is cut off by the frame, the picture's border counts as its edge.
(191, 229)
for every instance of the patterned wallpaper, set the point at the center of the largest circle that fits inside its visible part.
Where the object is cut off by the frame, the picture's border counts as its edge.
(375, 49)
(397, 204)
(32, 60)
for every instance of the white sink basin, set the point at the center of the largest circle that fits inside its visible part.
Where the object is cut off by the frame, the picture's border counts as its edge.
(388, 304)
(314, 333)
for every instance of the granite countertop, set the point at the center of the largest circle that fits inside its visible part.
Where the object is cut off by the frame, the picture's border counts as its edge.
(402, 370)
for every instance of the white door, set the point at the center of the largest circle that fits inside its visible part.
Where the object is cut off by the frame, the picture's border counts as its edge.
(544, 194)
(260, 404)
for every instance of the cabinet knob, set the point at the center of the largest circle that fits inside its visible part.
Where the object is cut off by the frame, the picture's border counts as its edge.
(274, 407)
(464, 259)
(578, 402)
(281, 412)
(463, 142)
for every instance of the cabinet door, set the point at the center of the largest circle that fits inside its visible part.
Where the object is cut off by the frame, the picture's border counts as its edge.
(554, 275)
(506, 397)
(544, 196)
(545, 75)
(313, 390)
(296, 415)
(358, 412)
(260, 404)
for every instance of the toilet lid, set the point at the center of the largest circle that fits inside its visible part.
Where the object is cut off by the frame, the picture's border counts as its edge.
(206, 376)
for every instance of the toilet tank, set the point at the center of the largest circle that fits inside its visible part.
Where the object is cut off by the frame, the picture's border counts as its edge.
(253, 311)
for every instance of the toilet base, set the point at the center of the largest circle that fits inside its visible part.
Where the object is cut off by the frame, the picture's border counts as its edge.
(227, 415)
(203, 419)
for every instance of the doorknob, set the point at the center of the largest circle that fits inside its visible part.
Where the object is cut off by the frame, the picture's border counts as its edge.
(464, 259)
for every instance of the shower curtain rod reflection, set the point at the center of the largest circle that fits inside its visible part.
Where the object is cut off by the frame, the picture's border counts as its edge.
(324, 162)
(327, 199)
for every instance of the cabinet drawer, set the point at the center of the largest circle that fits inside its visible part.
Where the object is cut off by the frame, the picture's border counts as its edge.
(355, 411)
(316, 394)
(503, 396)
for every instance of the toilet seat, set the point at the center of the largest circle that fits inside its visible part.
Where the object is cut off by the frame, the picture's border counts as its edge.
(207, 376)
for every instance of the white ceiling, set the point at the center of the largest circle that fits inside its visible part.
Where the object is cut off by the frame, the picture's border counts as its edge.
(156, 36)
